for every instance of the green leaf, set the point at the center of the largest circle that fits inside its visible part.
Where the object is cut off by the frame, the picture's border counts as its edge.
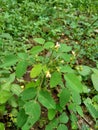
(2, 126)
(55, 79)
(36, 70)
(73, 118)
(95, 98)
(48, 45)
(73, 82)
(79, 110)
(76, 97)
(23, 56)
(64, 97)
(95, 81)
(46, 100)
(21, 68)
(16, 89)
(9, 61)
(95, 71)
(11, 78)
(28, 94)
(32, 108)
(52, 124)
(62, 127)
(72, 107)
(29, 123)
(74, 121)
(2, 109)
(63, 118)
(58, 107)
(64, 48)
(66, 69)
(51, 114)
(4, 96)
(13, 102)
(91, 108)
(21, 118)
(85, 70)
(39, 40)
(36, 50)
(66, 57)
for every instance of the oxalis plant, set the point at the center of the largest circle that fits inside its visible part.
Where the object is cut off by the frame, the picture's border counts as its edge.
(53, 95)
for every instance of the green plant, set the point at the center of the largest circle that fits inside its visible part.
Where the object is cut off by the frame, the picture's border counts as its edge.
(42, 83)
(54, 86)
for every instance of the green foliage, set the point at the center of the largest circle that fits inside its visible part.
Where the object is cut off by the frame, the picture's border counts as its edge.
(46, 100)
(21, 68)
(2, 126)
(73, 82)
(95, 80)
(48, 64)
(36, 71)
(64, 97)
(55, 79)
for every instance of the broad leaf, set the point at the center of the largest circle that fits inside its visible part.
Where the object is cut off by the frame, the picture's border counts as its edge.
(46, 100)
(74, 120)
(4, 96)
(39, 40)
(64, 97)
(73, 82)
(36, 50)
(76, 97)
(10, 60)
(48, 45)
(66, 69)
(29, 123)
(23, 56)
(63, 118)
(33, 109)
(21, 68)
(28, 94)
(66, 57)
(52, 124)
(62, 127)
(79, 110)
(85, 70)
(21, 118)
(2, 109)
(2, 126)
(36, 70)
(55, 79)
(51, 114)
(95, 81)
(65, 48)
(91, 108)
(16, 89)
(72, 107)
